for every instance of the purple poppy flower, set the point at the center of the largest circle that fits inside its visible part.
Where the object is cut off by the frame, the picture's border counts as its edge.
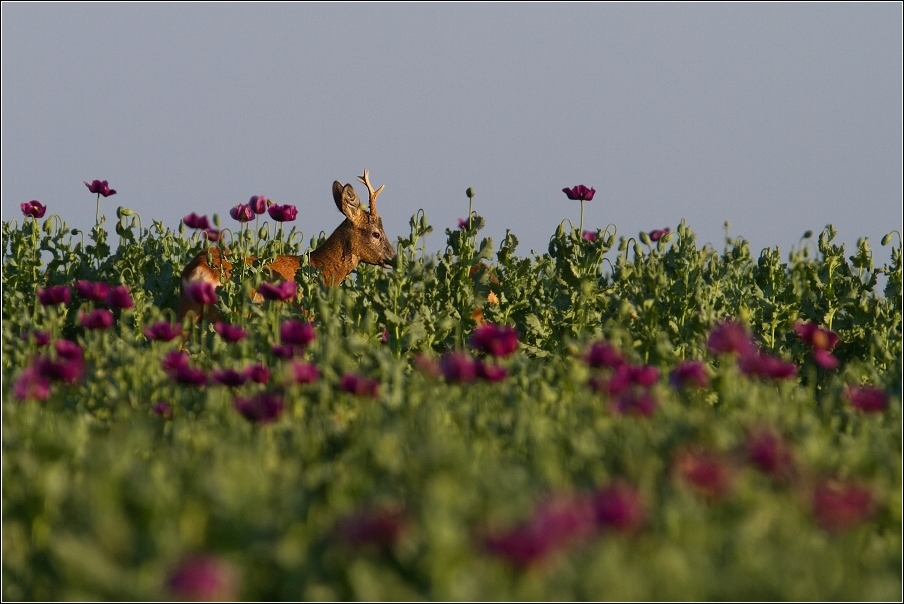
(242, 212)
(119, 297)
(228, 377)
(211, 234)
(258, 204)
(462, 224)
(92, 290)
(33, 208)
(69, 366)
(286, 290)
(53, 295)
(32, 384)
(706, 473)
(381, 528)
(173, 360)
(162, 331)
(868, 399)
(458, 367)
(163, 409)
(99, 318)
(193, 221)
(261, 409)
(201, 292)
(283, 213)
(838, 506)
(626, 376)
(619, 507)
(42, 338)
(259, 374)
(285, 351)
(635, 402)
(495, 340)
(298, 333)
(819, 338)
(768, 452)
(230, 333)
(304, 373)
(589, 235)
(579, 193)
(762, 365)
(204, 579)
(189, 376)
(825, 359)
(730, 336)
(490, 373)
(603, 354)
(100, 187)
(359, 385)
(689, 373)
(658, 234)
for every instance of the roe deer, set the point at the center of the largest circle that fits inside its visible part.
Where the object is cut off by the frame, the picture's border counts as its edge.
(360, 238)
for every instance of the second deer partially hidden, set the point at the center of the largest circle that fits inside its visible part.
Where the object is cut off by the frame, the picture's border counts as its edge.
(360, 238)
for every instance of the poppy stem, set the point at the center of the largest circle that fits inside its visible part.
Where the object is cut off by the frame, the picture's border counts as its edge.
(581, 228)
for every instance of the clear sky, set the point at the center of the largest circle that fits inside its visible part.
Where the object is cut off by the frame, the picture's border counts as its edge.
(777, 117)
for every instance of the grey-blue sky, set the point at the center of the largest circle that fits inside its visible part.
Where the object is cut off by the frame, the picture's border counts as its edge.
(777, 117)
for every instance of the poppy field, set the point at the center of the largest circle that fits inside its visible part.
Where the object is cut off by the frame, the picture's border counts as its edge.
(617, 418)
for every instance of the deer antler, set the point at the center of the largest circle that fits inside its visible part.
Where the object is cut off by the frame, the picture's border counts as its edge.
(370, 190)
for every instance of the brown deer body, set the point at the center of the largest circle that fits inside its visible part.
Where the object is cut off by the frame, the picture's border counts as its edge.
(360, 238)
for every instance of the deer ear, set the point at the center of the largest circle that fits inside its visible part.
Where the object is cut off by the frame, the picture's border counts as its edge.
(347, 201)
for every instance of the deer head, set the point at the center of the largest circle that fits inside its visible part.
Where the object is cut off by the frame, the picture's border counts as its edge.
(360, 238)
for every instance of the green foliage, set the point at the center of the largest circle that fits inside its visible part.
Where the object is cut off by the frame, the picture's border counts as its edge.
(102, 497)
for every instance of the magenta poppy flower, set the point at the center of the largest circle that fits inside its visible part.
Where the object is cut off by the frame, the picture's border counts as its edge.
(100, 187)
(163, 409)
(707, 474)
(162, 331)
(230, 333)
(495, 340)
(635, 402)
(381, 528)
(463, 224)
(119, 297)
(762, 365)
(174, 359)
(825, 359)
(258, 204)
(579, 193)
(201, 292)
(458, 366)
(228, 377)
(490, 373)
(297, 333)
(189, 376)
(33, 208)
(689, 373)
(99, 318)
(589, 235)
(285, 351)
(262, 408)
(204, 578)
(767, 451)
(92, 290)
(42, 338)
(304, 373)
(627, 376)
(359, 385)
(259, 374)
(54, 295)
(32, 384)
(619, 507)
(68, 367)
(193, 221)
(818, 337)
(283, 213)
(730, 336)
(868, 399)
(839, 506)
(242, 213)
(603, 354)
(286, 290)
(211, 234)
(658, 234)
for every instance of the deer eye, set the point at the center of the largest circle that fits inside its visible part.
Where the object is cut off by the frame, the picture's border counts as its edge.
(376, 235)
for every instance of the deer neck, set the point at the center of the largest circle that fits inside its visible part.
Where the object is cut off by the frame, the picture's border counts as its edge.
(335, 257)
